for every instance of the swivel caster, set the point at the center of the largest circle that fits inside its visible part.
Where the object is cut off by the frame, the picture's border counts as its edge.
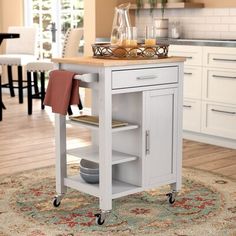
(99, 220)
(57, 201)
(100, 217)
(171, 197)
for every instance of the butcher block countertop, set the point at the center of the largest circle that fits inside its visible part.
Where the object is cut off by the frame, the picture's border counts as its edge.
(90, 61)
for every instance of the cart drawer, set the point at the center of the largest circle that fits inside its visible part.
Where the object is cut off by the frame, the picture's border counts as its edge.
(144, 77)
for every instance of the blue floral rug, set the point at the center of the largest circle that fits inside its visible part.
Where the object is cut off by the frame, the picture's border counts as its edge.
(206, 205)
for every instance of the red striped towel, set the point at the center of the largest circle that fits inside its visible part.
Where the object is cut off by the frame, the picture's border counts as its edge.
(62, 91)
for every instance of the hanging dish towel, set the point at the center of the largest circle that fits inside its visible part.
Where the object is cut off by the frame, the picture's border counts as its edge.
(62, 91)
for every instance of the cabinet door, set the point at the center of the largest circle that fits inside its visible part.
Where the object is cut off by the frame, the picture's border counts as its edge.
(160, 136)
(219, 119)
(192, 115)
(193, 54)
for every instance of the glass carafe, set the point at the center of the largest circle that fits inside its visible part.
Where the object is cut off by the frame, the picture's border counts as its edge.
(120, 25)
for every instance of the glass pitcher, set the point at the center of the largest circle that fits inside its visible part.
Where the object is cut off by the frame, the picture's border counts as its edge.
(120, 25)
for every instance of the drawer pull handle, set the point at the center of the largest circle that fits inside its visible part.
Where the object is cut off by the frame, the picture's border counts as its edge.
(189, 57)
(188, 73)
(187, 106)
(224, 77)
(227, 112)
(147, 142)
(224, 59)
(147, 77)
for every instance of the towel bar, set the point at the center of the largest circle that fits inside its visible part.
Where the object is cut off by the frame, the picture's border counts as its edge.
(88, 78)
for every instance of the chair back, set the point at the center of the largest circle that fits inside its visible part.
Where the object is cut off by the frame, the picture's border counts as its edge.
(26, 44)
(71, 43)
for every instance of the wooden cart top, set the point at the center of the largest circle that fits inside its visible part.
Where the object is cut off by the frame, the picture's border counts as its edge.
(90, 61)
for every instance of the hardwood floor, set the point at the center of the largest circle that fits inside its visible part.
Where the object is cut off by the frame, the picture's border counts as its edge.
(27, 142)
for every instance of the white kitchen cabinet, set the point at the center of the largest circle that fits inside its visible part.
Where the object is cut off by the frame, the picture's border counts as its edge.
(219, 85)
(219, 97)
(192, 92)
(209, 93)
(219, 57)
(193, 54)
(159, 127)
(192, 82)
(219, 120)
(192, 115)
(144, 154)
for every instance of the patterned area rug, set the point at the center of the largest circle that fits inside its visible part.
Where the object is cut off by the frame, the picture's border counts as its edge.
(205, 206)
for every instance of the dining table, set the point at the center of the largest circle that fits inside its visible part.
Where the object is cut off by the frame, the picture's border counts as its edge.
(2, 37)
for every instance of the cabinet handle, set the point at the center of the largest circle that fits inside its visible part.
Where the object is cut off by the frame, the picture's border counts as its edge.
(147, 77)
(187, 106)
(147, 142)
(224, 77)
(189, 57)
(224, 59)
(227, 112)
(188, 73)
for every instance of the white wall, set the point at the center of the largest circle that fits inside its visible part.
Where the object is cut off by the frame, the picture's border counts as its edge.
(215, 23)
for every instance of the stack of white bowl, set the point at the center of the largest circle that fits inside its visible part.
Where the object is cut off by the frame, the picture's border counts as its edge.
(89, 171)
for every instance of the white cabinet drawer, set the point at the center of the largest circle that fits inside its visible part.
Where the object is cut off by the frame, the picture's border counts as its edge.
(219, 57)
(192, 82)
(144, 77)
(219, 120)
(192, 115)
(219, 85)
(193, 54)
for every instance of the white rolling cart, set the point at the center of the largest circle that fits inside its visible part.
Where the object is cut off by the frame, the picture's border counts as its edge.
(146, 153)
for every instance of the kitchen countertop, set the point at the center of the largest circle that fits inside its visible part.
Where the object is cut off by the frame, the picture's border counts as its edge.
(194, 42)
(201, 42)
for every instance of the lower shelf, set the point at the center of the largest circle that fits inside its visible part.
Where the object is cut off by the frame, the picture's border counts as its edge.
(91, 153)
(119, 189)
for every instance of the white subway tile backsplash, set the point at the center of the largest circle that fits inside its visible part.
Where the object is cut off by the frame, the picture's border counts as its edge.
(221, 27)
(221, 11)
(232, 11)
(228, 20)
(202, 12)
(213, 20)
(213, 35)
(204, 27)
(232, 28)
(228, 35)
(217, 23)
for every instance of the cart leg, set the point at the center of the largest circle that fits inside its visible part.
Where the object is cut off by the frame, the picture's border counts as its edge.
(176, 186)
(61, 168)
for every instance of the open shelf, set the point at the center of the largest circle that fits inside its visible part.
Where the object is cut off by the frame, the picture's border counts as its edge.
(91, 153)
(96, 127)
(172, 5)
(119, 188)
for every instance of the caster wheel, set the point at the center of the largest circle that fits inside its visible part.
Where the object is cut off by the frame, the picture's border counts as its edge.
(99, 220)
(56, 202)
(171, 198)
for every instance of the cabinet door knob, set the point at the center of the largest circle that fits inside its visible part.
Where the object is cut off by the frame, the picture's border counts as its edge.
(147, 142)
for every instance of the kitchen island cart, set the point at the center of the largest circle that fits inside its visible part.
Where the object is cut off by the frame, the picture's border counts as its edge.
(144, 153)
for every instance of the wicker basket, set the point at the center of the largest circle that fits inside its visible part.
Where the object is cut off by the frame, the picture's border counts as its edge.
(141, 51)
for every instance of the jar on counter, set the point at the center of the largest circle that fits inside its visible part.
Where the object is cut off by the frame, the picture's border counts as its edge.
(175, 29)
